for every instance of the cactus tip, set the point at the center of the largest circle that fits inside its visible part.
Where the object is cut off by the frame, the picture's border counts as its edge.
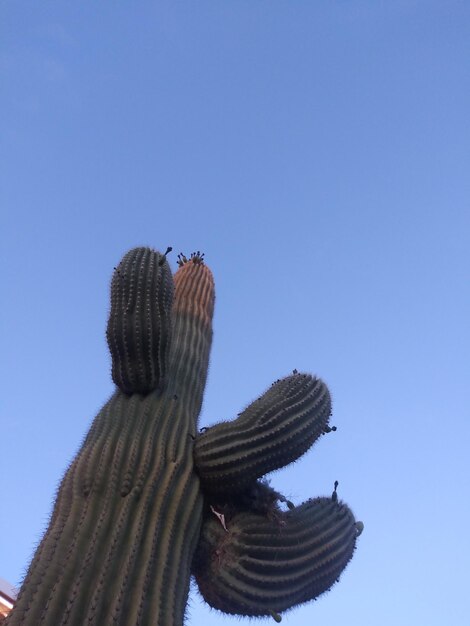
(276, 617)
(359, 528)
(196, 257)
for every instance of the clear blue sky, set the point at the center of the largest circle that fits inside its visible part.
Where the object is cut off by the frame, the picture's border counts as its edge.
(318, 153)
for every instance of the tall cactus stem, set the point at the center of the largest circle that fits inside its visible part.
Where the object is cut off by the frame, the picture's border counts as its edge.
(129, 510)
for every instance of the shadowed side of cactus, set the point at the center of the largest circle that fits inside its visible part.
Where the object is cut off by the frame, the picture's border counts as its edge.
(260, 564)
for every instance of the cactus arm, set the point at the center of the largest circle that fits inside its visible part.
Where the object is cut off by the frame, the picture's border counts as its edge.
(139, 324)
(273, 431)
(264, 564)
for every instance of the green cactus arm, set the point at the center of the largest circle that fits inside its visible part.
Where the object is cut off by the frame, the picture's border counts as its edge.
(273, 431)
(128, 513)
(261, 564)
(139, 325)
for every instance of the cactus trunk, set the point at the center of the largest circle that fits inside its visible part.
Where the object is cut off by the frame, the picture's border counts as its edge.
(127, 518)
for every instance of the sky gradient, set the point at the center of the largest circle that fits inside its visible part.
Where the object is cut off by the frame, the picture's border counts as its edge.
(318, 153)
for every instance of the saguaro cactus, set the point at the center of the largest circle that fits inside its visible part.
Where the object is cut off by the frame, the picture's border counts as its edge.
(150, 500)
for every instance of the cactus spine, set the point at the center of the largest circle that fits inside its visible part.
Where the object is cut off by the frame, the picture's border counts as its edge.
(148, 500)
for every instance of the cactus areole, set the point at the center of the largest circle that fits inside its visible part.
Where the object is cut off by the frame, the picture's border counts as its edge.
(150, 500)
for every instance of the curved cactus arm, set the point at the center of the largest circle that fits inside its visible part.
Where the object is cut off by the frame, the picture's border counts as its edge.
(273, 431)
(263, 564)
